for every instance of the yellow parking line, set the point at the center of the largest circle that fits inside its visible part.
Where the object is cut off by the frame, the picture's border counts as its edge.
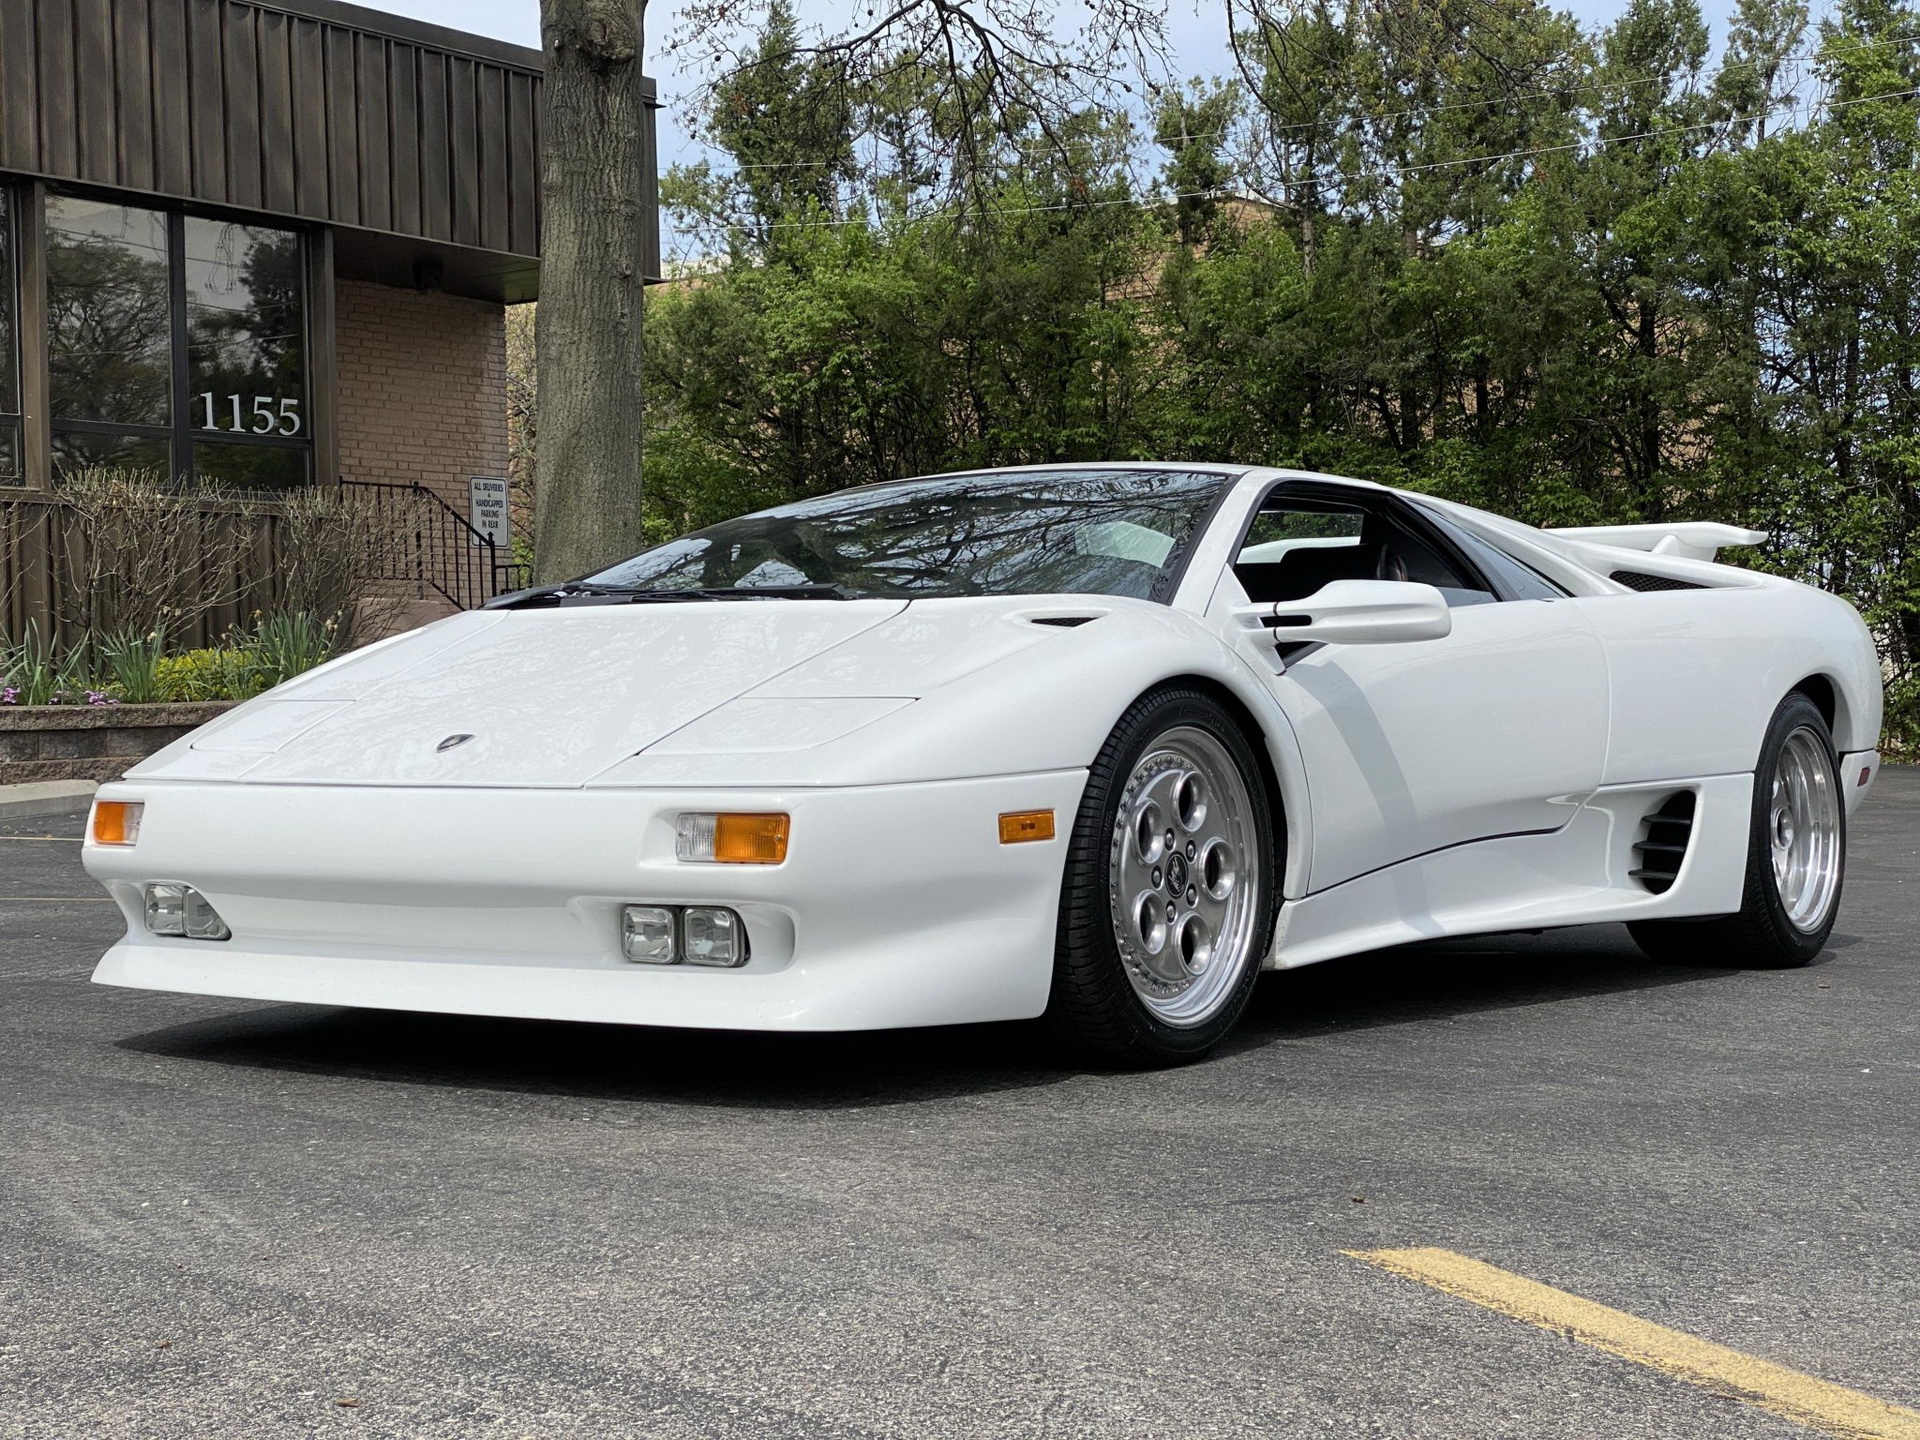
(1832, 1408)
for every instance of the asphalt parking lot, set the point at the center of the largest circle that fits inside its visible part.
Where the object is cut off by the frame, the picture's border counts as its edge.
(219, 1218)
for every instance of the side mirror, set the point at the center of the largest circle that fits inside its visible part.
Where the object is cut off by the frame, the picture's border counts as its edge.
(1356, 612)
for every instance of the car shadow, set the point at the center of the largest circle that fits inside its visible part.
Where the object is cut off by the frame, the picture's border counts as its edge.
(1437, 979)
(1406, 985)
(726, 1068)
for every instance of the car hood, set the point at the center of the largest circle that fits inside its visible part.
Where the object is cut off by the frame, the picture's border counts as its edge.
(541, 697)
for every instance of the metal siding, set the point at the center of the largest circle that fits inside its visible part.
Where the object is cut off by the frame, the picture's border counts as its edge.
(20, 92)
(495, 180)
(343, 127)
(133, 75)
(436, 149)
(93, 90)
(240, 58)
(523, 197)
(316, 114)
(376, 191)
(206, 100)
(403, 115)
(59, 114)
(172, 134)
(308, 74)
(464, 132)
(650, 190)
(276, 113)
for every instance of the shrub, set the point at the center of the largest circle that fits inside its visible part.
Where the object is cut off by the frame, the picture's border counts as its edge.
(130, 664)
(32, 673)
(225, 673)
(284, 645)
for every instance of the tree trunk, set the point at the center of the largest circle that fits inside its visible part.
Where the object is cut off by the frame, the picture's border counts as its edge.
(593, 233)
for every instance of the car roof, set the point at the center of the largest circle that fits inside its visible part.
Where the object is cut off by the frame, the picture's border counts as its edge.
(1091, 467)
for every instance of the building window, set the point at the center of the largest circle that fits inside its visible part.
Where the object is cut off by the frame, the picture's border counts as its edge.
(9, 343)
(176, 344)
(246, 349)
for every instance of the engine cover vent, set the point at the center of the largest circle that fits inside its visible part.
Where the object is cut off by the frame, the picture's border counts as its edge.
(1664, 845)
(1641, 580)
(1064, 621)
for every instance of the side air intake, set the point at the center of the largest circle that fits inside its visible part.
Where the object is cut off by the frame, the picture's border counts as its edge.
(1664, 845)
(1641, 580)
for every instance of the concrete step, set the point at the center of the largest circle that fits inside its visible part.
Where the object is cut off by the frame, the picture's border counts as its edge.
(46, 797)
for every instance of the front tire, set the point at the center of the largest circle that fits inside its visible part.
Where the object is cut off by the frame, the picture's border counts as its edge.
(1167, 904)
(1796, 858)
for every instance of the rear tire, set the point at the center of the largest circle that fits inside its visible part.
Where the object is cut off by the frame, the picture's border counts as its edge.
(1796, 858)
(1168, 900)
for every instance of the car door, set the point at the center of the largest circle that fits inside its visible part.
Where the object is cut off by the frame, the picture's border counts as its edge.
(1497, 729)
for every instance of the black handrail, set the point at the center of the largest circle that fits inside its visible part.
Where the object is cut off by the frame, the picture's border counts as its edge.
(439, 548)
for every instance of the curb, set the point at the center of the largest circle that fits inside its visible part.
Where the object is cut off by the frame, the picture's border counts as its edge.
(45, 797)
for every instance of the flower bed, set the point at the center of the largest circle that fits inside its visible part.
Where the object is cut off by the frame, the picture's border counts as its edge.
(91, 742)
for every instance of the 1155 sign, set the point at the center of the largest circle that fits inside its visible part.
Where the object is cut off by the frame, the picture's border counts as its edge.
(250, 414)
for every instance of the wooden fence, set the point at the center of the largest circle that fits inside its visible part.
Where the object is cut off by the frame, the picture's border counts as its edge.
(232, 558)
(218, 564)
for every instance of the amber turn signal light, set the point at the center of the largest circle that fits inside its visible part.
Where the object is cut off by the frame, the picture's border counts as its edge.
(732, 839)
(750, 839)
(1019, 826)
(116, 822)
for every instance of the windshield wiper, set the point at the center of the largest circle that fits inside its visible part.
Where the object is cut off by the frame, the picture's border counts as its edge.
(587, 592)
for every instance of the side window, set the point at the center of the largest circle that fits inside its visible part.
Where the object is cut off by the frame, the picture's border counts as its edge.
(1519, 580)
(1297, 544)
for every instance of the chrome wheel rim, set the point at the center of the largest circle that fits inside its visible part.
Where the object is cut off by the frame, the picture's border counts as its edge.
(1183, 877)
(1803, 830)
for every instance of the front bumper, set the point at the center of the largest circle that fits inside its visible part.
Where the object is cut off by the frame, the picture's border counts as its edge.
(897, 905)
(1858, 770)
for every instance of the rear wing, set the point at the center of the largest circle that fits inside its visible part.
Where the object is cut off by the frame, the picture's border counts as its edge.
(1686, 539)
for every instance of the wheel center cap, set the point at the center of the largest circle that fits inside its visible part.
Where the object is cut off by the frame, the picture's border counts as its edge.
(1176, 873)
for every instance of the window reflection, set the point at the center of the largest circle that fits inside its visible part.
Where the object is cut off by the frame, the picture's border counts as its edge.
(250, 467)
(109, 321)
(1085, 532)
(89, 449)
(245, 354)
(123, 283)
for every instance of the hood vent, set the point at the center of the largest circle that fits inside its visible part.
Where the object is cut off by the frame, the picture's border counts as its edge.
(1664, 845)
(1064, 621)
(1641, 580)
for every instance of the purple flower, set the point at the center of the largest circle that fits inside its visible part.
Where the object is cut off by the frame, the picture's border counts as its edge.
(10, 695)
(100, 697)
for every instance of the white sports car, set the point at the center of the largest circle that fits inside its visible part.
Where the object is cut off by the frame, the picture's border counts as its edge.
(1100, 742)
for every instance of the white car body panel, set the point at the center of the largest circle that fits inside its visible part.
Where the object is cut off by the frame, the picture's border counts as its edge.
(1494, 778)
(1408, 754)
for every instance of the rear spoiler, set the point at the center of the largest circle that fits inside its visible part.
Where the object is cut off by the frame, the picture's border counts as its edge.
(1687, 539)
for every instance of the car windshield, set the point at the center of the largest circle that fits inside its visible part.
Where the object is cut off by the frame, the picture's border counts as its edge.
(1094, 532)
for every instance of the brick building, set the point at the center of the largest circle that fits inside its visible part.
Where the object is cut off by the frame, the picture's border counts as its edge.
(260, 243)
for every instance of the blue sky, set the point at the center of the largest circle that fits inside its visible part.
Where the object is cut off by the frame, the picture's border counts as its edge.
(1196, 28)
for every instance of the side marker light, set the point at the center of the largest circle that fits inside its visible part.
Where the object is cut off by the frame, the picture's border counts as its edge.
(1019, 826)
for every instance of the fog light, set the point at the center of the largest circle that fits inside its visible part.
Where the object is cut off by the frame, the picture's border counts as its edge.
(183, 911)
(731, 839)
(647, 934)
(713, 936)
(116, 822)
(167, 909)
